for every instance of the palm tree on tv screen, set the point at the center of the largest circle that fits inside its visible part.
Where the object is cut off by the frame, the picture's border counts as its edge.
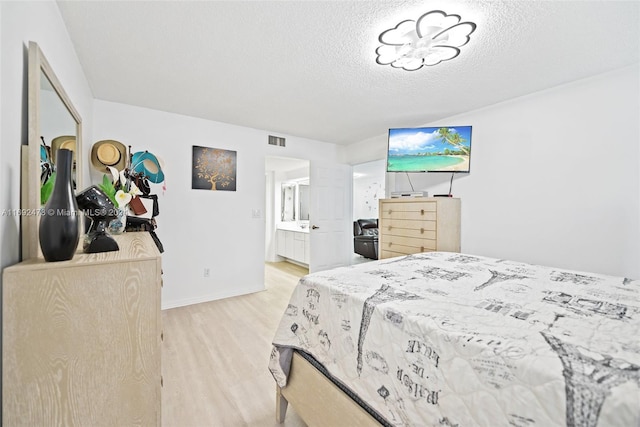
(454, 139)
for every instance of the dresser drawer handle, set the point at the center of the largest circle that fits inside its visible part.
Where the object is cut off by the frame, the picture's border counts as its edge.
(390, 211)
(422, 231)
(421, 248)
(421, 211)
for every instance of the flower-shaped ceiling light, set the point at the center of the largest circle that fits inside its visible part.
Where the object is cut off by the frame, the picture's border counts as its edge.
(433, 38)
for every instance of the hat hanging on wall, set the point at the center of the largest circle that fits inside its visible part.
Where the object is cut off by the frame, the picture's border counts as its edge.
(67, 142)
(148, 164)
(108, 153)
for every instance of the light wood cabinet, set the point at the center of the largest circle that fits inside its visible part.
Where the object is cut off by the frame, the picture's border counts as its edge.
(421, 224)
(81, 338)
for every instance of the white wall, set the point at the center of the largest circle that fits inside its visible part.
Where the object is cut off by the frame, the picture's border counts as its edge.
(198, 228)
(365, 151)
(554, 176)
(21, 22)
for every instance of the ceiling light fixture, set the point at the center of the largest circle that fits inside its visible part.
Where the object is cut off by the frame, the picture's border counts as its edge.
(435, 37)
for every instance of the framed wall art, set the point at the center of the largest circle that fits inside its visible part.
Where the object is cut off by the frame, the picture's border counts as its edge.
(213, 169)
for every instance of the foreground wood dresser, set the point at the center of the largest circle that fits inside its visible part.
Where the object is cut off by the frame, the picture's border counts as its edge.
(420, 224)
(81, 338)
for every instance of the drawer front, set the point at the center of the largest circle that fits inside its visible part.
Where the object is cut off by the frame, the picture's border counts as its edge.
(392, 243)
(415, 211)
(413, 215)
(427, 232)
(402, 227)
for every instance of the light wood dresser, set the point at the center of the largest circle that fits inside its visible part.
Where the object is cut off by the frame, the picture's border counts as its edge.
(420, 224)
(81, 339)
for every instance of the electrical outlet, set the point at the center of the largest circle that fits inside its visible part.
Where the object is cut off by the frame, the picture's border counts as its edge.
(207, 271)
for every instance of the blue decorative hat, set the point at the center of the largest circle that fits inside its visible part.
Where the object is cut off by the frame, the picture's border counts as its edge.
(148, 164)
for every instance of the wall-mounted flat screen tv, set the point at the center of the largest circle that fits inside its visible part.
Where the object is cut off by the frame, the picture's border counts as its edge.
(429, 149)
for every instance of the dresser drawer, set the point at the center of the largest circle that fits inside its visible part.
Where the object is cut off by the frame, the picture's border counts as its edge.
(414, 211)
(413, 215)
(422, 231)
(395, 226)
(421, 245)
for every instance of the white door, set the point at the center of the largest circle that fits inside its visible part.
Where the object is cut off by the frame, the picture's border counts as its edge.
(330, 223)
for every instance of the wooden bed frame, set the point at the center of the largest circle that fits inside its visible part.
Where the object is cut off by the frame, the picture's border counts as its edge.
(317, 400)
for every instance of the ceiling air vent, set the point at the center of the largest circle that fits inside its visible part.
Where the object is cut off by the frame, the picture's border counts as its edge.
(276, 140)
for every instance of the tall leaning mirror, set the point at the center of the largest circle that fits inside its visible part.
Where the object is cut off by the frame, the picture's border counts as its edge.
(53, 123)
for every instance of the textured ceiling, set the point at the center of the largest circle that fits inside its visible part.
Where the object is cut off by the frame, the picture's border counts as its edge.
(307, 68)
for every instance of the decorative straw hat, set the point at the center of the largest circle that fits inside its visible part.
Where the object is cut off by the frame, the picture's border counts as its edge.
(67, 141)
(108, 153)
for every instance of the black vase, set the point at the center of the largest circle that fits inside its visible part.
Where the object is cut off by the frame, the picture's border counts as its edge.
(60, 224)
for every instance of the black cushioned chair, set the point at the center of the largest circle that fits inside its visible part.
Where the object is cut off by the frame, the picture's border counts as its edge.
(365, 238)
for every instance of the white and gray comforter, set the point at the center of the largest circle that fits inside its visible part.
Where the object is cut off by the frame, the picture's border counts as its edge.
(444, 339)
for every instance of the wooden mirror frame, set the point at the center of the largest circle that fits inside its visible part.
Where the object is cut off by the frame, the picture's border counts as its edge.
(30, 179)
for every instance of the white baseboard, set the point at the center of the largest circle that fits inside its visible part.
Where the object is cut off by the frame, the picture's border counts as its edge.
(166, 305)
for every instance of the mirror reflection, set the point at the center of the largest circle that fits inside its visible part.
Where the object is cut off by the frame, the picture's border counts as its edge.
(303, 193)
(57, 130)
(295, 201)
(288, 202)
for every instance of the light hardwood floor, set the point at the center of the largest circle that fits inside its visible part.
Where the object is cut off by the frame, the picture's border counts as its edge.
(215, 357)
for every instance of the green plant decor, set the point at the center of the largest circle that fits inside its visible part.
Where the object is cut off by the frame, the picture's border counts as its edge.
(109, 189)
(47, 188)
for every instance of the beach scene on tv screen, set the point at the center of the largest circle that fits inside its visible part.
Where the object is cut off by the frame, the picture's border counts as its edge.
(433, 149)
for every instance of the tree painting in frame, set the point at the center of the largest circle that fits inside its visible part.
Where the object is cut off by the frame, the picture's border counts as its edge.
(213, 169)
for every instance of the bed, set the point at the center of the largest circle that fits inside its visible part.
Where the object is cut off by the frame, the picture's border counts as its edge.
(448, 339)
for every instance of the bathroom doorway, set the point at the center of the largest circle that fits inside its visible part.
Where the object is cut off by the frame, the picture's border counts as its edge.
(286, 189)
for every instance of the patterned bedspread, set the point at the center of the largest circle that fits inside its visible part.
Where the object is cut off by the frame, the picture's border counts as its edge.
(444, 339)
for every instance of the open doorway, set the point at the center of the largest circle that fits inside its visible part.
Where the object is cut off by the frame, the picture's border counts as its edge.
(287, 210)
(368, 188)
